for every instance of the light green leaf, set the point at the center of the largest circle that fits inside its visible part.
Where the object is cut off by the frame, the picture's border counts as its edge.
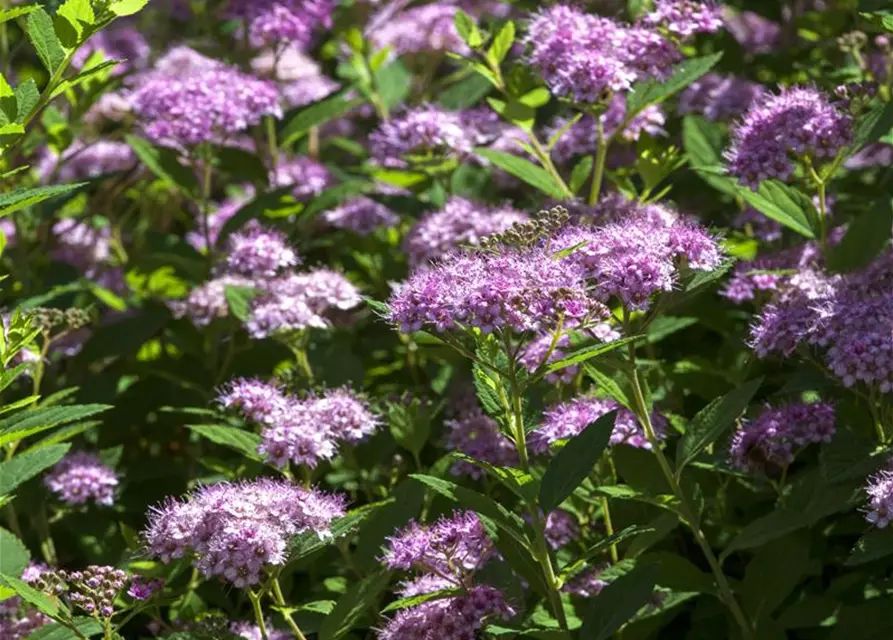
(27, 96)
(84, 76)
(404, 603)
(48, 604)
(14, 556)
(602, 545)
(86, 626)
(16, 12)
(502, 43)
(239, 301)
(16, 199)
(575, 462)
(650, 92)
(27, 465)
(580, 174)
(245, 442)
(39, 28)
(26, 423)
(127, 7)
(524, 170)
(587, 353)
(784, 204)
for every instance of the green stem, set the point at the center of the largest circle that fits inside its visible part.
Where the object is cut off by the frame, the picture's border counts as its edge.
(272, 144)
(206, 204)
(258, 614)
(823, 215)
(609, 529)
(279, 599)
(601, 155)
(686, 510)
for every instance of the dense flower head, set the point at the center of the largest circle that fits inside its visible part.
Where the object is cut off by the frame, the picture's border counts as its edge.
(80, 477)
(125, 44)
(237, 530)
(92, 590)
(635, 259)
(80, 244)
(517, 289)
(880, 494)
(719, 97)
(569, 419)
(86, 160)
(770, 272)
(258, 401)
(427, 28)
(684, 18)
(797, 122)
(361, 215)
(18, 620)
(586, 584)
(460, 222)
(213, 104)
(273, 22)
(562, 528)
(300, 301)
(306, 176)
(478, 436)
(452, 546)
(455, 618)
(585, 57)
(771, 441)
(141, 588)
(421, 131)
(259, 252)
(208, 301)
(250, 631)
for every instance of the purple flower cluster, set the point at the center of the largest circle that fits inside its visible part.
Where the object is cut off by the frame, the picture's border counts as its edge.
(420, 132)
(19, 620)
(586, 584)
(236, 530)
(477, 435)
(761, 227)
(586, 57)
(460, 222)
(773, 439)
(719, 97)
(685, 18)
(361, 215)
(218, 218)
(259, 252)
(796, 122)
(207, 103)
(770, 272)
(125, 44)
(92, 590)
(880, 493)
(300, 430)
(86, 160)
(568, 419)
(82, 476)
(208, 302)
(81, 245)
(562, 528)
(518, 289)
(250, 631)
(306, 176)
(272, 22)
(427, 28)
(142, 589)
(754, 33)
(300, 301)
(452, 546)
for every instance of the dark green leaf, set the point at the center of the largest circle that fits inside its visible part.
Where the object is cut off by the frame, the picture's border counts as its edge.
(703, 142)
(239, 301)
(48, 604)
(27, 97)
(241, 164)
(86, 626)
(784, 204)
(27, 423)
(866, 237)
(519, 482)
(873, 125)
(772, 574)
(600, 547)
(352, 605)
(869, 620)
(575, 462)
(465, 93)
(618, 603)
(304, 544)
(712, 421)
(43, 36)
(27, 465)
(524, 170)
(589, 352)
(316, 114)
(394, 82)
(872, 546)
(245, 442)
(23, 197)
(650, 92)
(165, 164)
(253, 210)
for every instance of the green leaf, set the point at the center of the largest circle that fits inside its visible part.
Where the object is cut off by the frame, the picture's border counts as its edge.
(27, 465)
(524, 170)
(239, 301)
(580, 174)
(245, 442)
(712, 421)
(502, 43)
(20, 198)
(465, 93)
(165, 164)
(127, 7)
(872, 126)
(574, 462)
(15, 12)
(352, 605)
(307, 543)
(866, 237)
(394, 82)
(84, 76)
(316, 114)
(665, 326)
(48, 604)
(868, 620)
(28, 423)
(404, 603)
(772, 574)
(870, 547)
(783, 204)
(14, 556)
(703, 142)
(467, 29)
(589, 352)
(86, 626)
(519, 482)
(27, 96)
(10, 375)
(651, 92)
(39, 28)
(599, 547)
(72, 18)
(618, 603)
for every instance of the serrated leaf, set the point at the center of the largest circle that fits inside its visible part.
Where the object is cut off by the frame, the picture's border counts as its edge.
(47, 604)
(524, 170)
(587, 353)
(784, 204)
(872, 126)
(352, 605)
(712, 421)
(15, 12)
(86, 627)
(14, 556)
(866, 237)
(618, 603)
(28, 423)
(245, 442)
(519, 482)
(16, 199)
(165, 164)
(571, 465)
(651, 92)
(27, 96)
(42, 34)
(26, 465)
